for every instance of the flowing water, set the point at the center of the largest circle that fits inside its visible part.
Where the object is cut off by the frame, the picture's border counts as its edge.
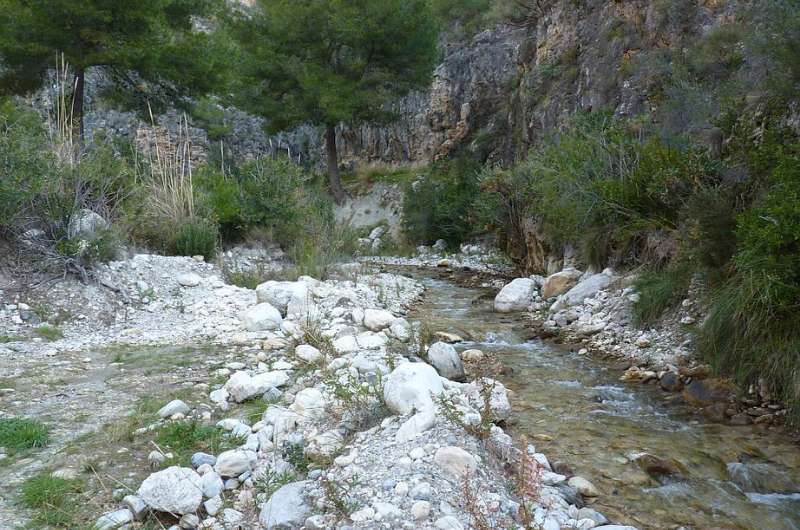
(576, 411)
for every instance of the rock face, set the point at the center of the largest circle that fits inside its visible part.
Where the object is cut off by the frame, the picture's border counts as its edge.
(175, 490)
(560, 282)
(287, 508)
(261, 317)
(410, 386)
(515, 296)
(445, 359)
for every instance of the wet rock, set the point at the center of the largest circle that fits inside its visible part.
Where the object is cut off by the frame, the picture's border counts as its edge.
(704, 392)
(450, 338)
(741, 419)
(671, 382)
(657, 467)
(410, 386)
(472, 355)
(287, 508)
(175, 490)
(583, 486)
(515, 296)
(446, 360)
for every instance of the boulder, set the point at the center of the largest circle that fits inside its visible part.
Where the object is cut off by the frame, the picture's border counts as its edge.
(705, 392)
(455, 462)
(584, 289)
(308, 353)
(233, 463)
(287, 508)
(279, 294)
(86, 224)
(410, 386)
(261, 317)
(378, 319)
(560, 282)
(446, 360)
(671, 382)
(176, 490)
(583, 486)
(515, 296)
(309, 403)
(241, 386)
(175, 406)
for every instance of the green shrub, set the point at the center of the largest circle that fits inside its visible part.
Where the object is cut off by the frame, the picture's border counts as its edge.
(752, 326)
(48, 332)
(22, 433)
(659, 291)
(442, 204)
(195, 237)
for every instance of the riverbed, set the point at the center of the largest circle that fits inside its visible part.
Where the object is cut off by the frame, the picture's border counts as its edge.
(575, 410)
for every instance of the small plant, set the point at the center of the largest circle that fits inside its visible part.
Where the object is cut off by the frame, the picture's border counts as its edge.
(313, 335)
(48, 332)
(451, 413)
(336, 495)
(295, 455)
(22, 433)
(52, 500)
(360, 401)
(270, 482)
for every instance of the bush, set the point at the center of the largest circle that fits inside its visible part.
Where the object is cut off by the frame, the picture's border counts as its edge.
(659, 291)
(753, 325)
(196, 237)
(441, 205)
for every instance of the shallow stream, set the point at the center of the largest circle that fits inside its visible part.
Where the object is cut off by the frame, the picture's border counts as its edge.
(576, 411)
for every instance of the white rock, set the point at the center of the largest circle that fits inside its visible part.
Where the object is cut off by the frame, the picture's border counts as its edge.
(472, 355)
(309, 403)
(308, 353)
(212, 484)
(175, 490)
(136, 505)
(261, 317)
(449, 522)
(455, 461)
(279, 294)
(175, 406)
(287, 508)
(189, 279)
(377, 319)
(560, 282)
(446, 360)
(213, 505)
(385, 511)
(584, 289)
(410, 386)
(233, 463)
(364, 514)
(515, 296)
(416, 424)
(241, 386)
(113, 520)
(420, 510)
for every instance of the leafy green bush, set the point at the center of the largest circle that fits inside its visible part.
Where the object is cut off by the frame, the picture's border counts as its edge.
(753, 324)
(442, 204)
(196, 237)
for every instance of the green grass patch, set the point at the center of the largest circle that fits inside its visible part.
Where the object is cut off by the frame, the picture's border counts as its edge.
(659, 291)
(4, 339)
(22, 433)
(48, 332)
(53, 500)
(185, 438)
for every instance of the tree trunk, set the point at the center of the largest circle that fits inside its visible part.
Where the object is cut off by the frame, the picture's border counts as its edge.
(334, 178)
(77, 109)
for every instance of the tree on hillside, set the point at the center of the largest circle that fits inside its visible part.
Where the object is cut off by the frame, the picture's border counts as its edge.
(147, 49)
(329, 62)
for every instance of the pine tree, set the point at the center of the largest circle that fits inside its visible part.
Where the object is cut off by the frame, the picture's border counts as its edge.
(329, 62)
(147, 49)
